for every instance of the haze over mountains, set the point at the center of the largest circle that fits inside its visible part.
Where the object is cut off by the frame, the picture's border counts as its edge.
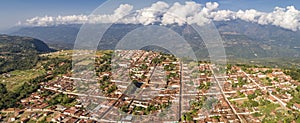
(241, 39)
(246, 33)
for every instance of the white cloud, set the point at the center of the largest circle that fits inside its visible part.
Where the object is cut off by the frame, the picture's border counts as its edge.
(180, 13)
(222, 15)
(212, 6)
(189, 12)
(151, 14)
(288, 18)
(118, 14)
(249, 15)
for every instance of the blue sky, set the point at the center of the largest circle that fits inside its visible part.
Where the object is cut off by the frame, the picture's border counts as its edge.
(12, 11)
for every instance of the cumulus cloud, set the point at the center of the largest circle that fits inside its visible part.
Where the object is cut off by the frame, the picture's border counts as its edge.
(186, 13)
(118, 14)
(151, 14)
(180, 13)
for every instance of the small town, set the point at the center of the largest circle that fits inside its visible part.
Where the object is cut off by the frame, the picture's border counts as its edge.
(147, 86)
(150, 61)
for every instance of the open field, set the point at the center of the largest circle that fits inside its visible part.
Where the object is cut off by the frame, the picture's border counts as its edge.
(17, 78)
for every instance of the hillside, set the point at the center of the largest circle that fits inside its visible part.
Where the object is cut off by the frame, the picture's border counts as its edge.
(18, 53)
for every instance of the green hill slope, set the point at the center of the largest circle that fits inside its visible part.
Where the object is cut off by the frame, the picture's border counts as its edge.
(17, 53)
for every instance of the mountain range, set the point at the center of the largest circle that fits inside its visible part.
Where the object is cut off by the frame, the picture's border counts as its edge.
(242, 39)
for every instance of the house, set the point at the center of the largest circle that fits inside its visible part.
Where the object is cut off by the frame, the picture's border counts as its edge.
(58, 118)
(12, 119)
(78, 106)
(127, 118)
(296, 106)
(277, 73)
(25, 100)
(42, 106)
(70, 111)
(60, 108)
(272, 99)
(72, 120)
(261, 76)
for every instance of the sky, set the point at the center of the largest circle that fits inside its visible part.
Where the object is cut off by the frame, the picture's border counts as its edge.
(13, 11)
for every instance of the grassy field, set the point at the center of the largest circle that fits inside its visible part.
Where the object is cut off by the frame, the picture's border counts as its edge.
(67, 54)
(15, 79)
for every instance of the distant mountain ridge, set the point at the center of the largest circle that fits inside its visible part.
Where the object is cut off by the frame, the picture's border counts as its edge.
(241, 39)
(265, 33)
(61, 37)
